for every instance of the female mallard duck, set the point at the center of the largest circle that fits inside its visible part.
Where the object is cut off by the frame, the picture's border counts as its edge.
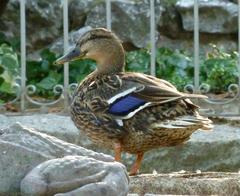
(125, 111)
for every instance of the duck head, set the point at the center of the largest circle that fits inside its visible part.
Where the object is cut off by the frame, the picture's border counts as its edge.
(100, 45)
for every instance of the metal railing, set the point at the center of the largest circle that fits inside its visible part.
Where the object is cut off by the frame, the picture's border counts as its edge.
(24, 91)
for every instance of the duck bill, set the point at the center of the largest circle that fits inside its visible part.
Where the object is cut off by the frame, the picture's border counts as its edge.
(72, 55)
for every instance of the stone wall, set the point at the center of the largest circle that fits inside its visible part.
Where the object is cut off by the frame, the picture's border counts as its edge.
(130, 20)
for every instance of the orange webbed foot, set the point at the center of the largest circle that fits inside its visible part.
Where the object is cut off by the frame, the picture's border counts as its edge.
(136, 166)
(117, 152)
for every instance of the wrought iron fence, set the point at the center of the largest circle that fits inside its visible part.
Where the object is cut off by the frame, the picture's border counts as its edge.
(24, 92)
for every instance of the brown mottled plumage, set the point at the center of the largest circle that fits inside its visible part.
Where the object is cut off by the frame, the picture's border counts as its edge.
(128, 112)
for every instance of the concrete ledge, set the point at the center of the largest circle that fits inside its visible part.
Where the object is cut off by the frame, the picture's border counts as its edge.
(207, 183)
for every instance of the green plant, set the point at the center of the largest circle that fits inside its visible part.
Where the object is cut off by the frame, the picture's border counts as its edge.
(174, 66)
(219, 69)
(138, 61)
(14, 42)
(9, 72)
(78, 70)
(45, 75)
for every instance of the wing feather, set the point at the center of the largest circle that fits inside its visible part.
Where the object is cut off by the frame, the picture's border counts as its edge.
(156, 90)
(141, 91)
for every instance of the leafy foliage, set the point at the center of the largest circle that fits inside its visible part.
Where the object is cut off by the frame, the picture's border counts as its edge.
(174, 66)
(45, 75)
(9, 69)
(218, 69)
(138, 61)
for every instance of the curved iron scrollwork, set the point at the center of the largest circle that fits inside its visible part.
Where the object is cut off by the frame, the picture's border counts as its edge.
(57, 90)
(31, 89)
(71, 89)
(233, 92)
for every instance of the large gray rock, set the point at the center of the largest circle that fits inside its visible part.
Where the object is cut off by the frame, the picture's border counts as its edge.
(76, 175)
(59, 126)
(234, 1)
(208, 183)
(222, 42)
(44, 20)
(216, 150)
(22, 149)
(39, 16)
(58, 46)
(170, 25)
(130, 20)
(208, 151)
(215, 16)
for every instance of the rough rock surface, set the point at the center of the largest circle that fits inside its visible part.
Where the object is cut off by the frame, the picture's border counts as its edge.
(42, 15)
(217, 150)
(38, 20)
(128, 15)
(234, 1)
(130, 20)
(186, 184)
(22, 149)
(56, 125)
(57, 46)
(76, 175)
(208, 151)
(216, 16)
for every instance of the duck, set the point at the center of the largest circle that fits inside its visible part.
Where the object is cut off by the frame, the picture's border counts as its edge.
(128, 111)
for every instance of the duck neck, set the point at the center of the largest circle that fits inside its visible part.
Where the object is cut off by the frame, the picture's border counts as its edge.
(112, 62)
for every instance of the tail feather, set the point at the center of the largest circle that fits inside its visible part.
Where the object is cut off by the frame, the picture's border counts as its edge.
(185, 95)
(205, 123)
(183, 122)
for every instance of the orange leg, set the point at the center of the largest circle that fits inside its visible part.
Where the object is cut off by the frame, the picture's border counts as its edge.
(117, 151)
(136, 166)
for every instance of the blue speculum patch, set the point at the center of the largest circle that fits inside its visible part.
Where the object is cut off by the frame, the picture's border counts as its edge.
(125, 105)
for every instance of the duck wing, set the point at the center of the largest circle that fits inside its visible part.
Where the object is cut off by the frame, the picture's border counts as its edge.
(157, 90)
(141, 91)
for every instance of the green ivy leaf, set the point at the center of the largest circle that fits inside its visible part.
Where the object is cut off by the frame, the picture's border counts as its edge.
(1, 80)
(6, 87)
(1, 69)
(78, 70)
(138, 61)
(34, 70)
(10, 62)
(45, 66)
(5, 48)
(48, 55)
(47, 83)
(3, 38)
